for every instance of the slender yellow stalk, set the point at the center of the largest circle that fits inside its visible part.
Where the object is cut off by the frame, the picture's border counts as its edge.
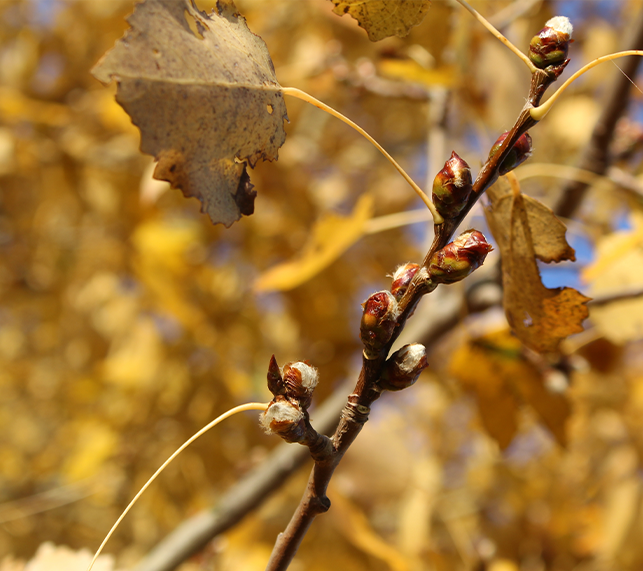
(538, 113)
(299, 94)
(231, 412)
(497, 34)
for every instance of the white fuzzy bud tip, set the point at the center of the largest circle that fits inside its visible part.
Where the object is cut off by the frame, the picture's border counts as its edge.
(309, 375)
(397, 274)
(410, 356)
(280, 411)
(561, 24)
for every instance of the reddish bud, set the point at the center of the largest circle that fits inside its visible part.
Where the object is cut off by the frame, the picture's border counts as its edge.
(452, 187)
(285, 419)
(520, 152)
(403, 367)
(458, 259)
(378, 322)
(275, 380)
(300, 380)
(550, 45)
(402, 278)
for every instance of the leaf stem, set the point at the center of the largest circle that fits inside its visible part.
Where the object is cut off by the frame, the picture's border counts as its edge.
(299, 94)
(538, 113)
(241, 408)
(497, 34)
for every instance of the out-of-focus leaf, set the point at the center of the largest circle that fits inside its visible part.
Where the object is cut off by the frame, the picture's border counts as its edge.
(410, 70)
(360, 533)
(526, 230)
(203, 91)
(95, 443)
(50, 557)
(492, 366)
(619, 267)
(330, 238)
(134, 359)
(384, 18)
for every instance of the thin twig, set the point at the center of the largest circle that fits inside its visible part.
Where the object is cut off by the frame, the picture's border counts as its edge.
(299, 94)
(206, 428)
(498, 35)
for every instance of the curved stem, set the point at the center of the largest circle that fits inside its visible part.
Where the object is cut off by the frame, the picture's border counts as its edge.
(241, 408)
(299, 94)
(538, 113)
(498, 35)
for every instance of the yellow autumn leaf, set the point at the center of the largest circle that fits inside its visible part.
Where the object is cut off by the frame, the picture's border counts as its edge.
(492, 366)
(360, 533)
(165, 242)
(411, 71)
(618, 268)
(331, 236)
(134, 359)
(96, 442)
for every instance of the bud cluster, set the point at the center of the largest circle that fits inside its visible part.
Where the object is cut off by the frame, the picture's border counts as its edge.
(519, 153)
(292, 387)
(403, 367)
(378, 322)
(458, 259)
(550, 45)
(452, 187)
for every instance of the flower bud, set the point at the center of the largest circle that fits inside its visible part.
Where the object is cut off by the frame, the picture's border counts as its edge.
(458, 259)
(378, 322)
(520, 152)
(403, 367)
(550, 45)
(300, 380)
(275, 381)
(402, 278)
(452, 187)
(285, 419)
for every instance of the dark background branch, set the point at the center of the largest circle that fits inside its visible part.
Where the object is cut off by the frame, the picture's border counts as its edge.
(596, 156)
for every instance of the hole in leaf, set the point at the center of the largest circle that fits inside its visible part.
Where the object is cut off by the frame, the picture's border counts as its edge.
(527, 321)
(270, 108)
(193, 24)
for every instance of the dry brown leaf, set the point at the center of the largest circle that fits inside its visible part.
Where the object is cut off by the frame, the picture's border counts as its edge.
(493, 367)
(331, 236)
(203, 91)
(526, 230)
(384, 18)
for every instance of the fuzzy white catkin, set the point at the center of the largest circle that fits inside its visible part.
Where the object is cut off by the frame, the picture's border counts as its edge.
(309, 375)
(561, 24)
(280, 411)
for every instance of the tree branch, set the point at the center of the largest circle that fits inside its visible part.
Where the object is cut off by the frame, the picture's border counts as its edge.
(595, 157)
(355, 413)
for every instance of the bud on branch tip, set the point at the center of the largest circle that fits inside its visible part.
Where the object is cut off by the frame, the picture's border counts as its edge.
(550, 45)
